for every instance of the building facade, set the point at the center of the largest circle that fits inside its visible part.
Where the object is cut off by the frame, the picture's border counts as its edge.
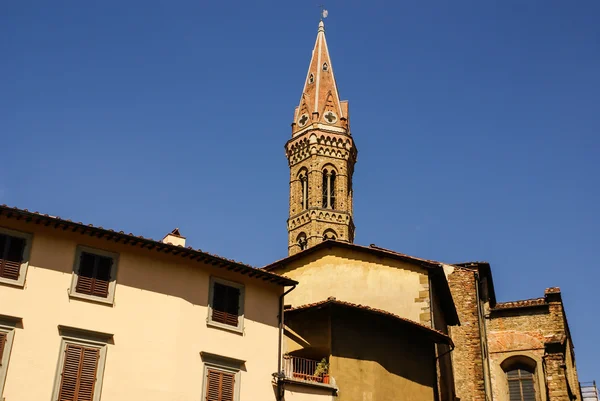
(89, 314)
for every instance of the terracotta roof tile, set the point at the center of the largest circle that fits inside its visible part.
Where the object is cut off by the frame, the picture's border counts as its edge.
(525, 303)
(195, 254)
(332, 300)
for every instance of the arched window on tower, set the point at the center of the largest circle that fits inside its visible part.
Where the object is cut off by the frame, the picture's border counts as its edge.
(329, 234)
(303, 177)
(520, 376)
(329, 188)
(301, 241)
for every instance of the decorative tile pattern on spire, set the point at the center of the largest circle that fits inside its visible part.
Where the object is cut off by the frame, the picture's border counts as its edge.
(320, 101)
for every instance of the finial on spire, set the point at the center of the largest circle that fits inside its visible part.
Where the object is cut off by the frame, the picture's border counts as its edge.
(324, 13)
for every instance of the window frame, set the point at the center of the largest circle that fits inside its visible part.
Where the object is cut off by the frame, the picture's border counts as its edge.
(8, 325)
(110, 298)
(20, 282)
(83, 338)
(240, 327)
(223, 364)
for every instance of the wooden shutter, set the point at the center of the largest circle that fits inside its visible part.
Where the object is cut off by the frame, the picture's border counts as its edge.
(2, 342)
(220, 386)
(78, 377)
(226, 304)
(94, 275)
(11, 256)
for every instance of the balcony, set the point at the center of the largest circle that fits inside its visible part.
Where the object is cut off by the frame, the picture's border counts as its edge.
(306, 370)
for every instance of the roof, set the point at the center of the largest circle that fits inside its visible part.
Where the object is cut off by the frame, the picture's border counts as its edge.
(179, 251)
(437, 335)
(373, 249)
(436, 269)
(524, 303)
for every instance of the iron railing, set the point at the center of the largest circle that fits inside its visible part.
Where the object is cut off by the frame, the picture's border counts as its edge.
(589, 391)
(303, 369)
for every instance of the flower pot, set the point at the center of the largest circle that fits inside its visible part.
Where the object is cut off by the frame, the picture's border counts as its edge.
(325, 379)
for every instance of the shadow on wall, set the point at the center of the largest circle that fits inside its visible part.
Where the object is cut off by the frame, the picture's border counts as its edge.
(148, 270)
(397, 348)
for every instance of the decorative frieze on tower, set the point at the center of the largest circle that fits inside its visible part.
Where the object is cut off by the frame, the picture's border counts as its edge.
(321, 156)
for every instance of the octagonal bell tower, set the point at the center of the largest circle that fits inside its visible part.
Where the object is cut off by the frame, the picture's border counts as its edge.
(321, 156)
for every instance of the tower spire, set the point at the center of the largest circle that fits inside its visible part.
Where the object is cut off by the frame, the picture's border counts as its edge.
(321, 156)
(320, 101)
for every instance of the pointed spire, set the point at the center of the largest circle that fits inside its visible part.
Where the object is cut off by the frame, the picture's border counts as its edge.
(320, 101)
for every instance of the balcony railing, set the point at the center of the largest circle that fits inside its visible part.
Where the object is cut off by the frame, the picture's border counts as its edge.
(303, 369)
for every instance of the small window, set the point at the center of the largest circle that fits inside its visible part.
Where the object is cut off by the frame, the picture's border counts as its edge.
(14, 256)
(94, 275)
(221, 378)
(329, 234)
(304, 188)
(226, 304)
(325, 67)
(311, 79)
(329, 189)
(7, 331)
(80, 365)
(301, 241)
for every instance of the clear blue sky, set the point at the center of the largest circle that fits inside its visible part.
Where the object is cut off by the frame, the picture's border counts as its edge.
(477, 124)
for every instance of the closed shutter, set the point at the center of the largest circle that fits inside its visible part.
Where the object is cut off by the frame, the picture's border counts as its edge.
(220, 386)
(11, 256)
(94, 275)
(2, 342)
(78, 377)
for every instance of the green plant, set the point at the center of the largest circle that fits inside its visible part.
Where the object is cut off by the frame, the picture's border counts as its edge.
(322, 368)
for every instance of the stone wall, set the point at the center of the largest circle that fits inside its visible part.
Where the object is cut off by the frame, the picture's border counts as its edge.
(467, 357)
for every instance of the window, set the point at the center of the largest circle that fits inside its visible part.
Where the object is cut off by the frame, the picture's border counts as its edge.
(14, 256)
(81, 365)
(311, 79)
(226, 306)
(325, 67)
(7, 332)
(222, 378)
(301, 241)
(329, 189)
(329, 234)
(94, 275)
(520, 385)
(303, 176)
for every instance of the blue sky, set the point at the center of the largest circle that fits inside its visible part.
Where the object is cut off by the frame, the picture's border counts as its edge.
(477, 124)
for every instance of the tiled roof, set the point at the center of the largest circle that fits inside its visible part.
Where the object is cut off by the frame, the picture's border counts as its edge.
(333, 301)
(525, 303)
(134, 240)
(373, 249)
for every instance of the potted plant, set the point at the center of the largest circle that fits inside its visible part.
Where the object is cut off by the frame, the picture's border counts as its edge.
(322, 370)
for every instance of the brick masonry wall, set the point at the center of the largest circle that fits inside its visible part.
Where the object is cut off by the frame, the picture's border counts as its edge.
(466, 358)
(536, 330)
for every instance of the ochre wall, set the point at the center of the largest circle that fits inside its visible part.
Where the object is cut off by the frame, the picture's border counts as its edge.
(299, 392)
(158, 321)
(360, 278)
(377, 360)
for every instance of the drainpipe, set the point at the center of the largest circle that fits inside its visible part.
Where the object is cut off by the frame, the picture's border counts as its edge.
(279, 353)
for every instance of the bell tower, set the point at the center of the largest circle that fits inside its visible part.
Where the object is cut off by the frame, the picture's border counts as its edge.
(321, 155)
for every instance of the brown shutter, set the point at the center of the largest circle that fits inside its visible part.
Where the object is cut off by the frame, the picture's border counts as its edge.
(219, 386)
(79, 373)
(93, 277)
(11, 257)
(2, 342)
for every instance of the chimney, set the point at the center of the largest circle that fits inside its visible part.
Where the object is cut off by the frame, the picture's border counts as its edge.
(174, 238)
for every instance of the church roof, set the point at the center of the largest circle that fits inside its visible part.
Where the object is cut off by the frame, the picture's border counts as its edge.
(436, 269)
(189, 253)
(320, 100)
(436, 334)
